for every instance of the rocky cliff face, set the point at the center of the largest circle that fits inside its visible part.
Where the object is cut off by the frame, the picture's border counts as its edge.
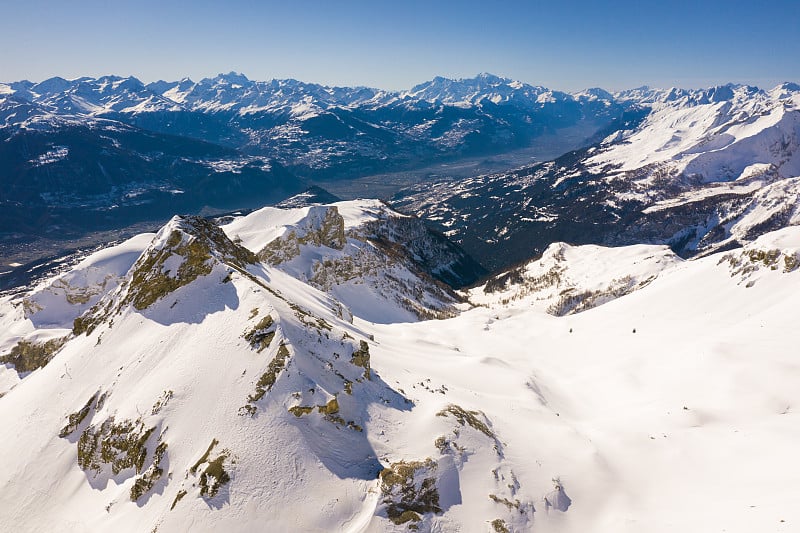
(368, 254)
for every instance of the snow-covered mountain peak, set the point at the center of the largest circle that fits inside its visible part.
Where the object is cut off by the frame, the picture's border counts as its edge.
(594, 93)
(116, 83)
(491, 78)
(470, 91)
(713, 135)
(185, 249)
(366, 255)
(52, 85)
(232, 78)
(570, 279)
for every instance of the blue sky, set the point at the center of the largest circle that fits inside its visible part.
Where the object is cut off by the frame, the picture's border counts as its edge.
(567, 45)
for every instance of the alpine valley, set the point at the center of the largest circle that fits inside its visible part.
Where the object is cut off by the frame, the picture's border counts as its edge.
(598, 337)
(89, 155)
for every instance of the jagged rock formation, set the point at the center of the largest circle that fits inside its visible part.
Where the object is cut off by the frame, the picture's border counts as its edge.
(193, 281)
(186, 249)
(368, 253)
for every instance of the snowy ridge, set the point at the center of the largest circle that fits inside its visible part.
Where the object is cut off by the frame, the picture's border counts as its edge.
(722, 134)
(91, 97)
(235, 92)
(494, 89)
(570, 279)
(48, 311)
(353, 251)
(61, 300)
(777, 251)
(210, 390)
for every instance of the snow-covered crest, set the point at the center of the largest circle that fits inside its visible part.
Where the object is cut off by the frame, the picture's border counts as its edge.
(246, 399)
(570, 279)
(368, 256)
(717, 134)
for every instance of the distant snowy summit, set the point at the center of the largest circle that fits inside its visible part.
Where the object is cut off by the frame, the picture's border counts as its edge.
(234, 92)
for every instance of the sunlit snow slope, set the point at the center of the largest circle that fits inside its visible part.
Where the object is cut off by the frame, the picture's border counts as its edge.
(204, 389)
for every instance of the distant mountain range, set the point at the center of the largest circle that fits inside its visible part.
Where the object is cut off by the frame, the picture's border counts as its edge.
(695, 169)
(700, 170)
(313, 129)
(101, 152)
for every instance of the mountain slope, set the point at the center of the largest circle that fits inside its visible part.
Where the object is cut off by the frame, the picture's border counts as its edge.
(699, 171)
(133, 457)
(103, 174)
(653, 410)
(377, 262)
(206, 390)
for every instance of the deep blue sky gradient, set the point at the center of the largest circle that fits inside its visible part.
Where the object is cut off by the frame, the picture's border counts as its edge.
(566, 45)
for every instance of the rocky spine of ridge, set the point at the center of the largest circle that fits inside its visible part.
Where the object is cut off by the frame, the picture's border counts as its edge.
(187, 248)
(308, 373)
(396, 255)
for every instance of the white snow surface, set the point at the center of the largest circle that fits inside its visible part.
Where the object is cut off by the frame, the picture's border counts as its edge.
(59, 301)
(565, 271)
(714, 138)
(672, 408)
(261, 227)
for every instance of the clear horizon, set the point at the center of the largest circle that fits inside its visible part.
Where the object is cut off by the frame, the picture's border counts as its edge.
(395, 47)
(175, 79)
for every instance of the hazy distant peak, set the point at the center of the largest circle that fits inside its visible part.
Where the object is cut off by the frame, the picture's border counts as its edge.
(232, 77)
